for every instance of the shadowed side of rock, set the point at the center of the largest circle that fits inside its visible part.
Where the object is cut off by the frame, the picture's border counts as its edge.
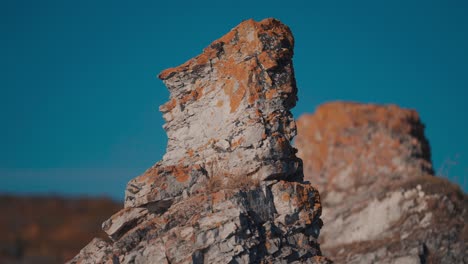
(229, 188)
(382, 203)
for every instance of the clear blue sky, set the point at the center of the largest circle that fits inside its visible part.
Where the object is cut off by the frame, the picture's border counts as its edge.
(79, 94)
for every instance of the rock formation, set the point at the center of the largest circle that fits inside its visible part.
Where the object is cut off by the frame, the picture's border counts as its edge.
(381, 201)
(229, 188)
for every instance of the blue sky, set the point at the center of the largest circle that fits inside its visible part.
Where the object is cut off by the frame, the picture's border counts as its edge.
(79, 94)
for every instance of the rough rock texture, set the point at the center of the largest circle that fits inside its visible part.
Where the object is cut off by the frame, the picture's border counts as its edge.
(49, 229)
(229, 188)
(381, 203)
(228, 114)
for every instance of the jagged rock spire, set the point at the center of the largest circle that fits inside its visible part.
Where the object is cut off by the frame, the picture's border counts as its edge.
(229, 188)
(228, 114)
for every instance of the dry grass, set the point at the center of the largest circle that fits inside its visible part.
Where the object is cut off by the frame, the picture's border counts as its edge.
(227, 181)
(214, 184)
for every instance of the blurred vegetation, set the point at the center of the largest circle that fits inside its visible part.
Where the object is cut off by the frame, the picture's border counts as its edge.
(40, 229)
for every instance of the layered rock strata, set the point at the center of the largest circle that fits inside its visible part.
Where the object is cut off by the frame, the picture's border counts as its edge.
(382, 203)
(229, 188)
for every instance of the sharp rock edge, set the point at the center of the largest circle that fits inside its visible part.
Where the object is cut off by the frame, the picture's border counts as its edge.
(229, 188)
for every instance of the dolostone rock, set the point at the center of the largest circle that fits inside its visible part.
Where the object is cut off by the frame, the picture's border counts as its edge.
(229, 188)
(381, 201)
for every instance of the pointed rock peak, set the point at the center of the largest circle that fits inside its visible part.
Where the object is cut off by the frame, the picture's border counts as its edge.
(229, 188)
(228, 114)
(266, 40)
(345, 144)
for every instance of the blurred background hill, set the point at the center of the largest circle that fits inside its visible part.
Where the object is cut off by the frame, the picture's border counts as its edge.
(49, 229)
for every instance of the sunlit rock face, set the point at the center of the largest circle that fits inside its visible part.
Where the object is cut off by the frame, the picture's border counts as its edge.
(381, 201)
(229, 188)
(228, 114)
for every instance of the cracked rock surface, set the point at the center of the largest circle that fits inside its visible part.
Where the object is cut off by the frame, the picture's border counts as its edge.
(381, 201)
(229, 188)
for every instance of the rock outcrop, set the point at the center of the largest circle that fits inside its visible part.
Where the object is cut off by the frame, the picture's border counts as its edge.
(381, 201)
(229, 188)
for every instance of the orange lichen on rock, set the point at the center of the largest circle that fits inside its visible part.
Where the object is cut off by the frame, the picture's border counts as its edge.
(167, 107)
(237, 143)
(247, 73)
(271, 93)
(193, 95)
(208, 54)
(190, 152)
(372, 166)
(181, 174)
(266, 61)
(218, 196)
(358, 140)
(149, 175)
(228, 154)
(235, 92)
(241, 74)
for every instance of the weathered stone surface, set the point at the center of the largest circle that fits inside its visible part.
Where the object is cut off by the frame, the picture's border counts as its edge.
(120, 222)
(228, 113)
(381, 203)
(274, 222)
(422, 220)
(97, 251)
(229, 188)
